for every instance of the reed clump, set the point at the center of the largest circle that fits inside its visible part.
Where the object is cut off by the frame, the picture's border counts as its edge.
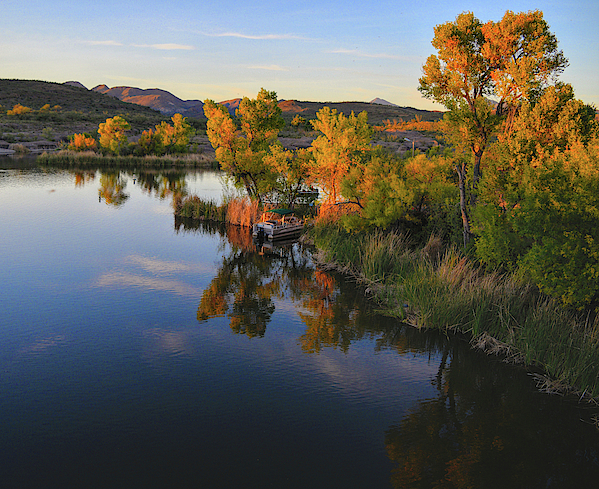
(193, 207)
(242, 211)
(502, 313)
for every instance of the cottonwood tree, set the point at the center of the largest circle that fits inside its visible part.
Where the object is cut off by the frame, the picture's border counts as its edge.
(82, 142)
(292, 169)
(19, 109)
(540, 197)
(166, 138)
(343, 144)
(175, 138)
(112, 134)
(241, 152)
(511, 60)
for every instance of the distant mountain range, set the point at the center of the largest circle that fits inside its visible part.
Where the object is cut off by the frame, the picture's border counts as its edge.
(168, 104)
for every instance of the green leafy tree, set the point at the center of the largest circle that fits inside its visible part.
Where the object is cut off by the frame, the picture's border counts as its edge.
(241, 152)
(112, 134)
(418, 193)
(539, 198)
(379, 189)
(149, 143)
(559, 214)
(292, 169)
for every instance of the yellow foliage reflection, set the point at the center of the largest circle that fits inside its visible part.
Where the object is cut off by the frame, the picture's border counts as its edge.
(112, 189)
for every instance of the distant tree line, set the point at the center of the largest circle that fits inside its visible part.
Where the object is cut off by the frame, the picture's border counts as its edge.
(164, 139)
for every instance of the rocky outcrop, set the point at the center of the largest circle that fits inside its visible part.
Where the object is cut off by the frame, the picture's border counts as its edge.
(157, 99)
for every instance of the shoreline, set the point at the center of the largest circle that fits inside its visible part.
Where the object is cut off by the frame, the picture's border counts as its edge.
(505, 317)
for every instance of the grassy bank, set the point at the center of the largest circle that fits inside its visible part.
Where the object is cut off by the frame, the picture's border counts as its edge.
(502, 314)
(82, 159)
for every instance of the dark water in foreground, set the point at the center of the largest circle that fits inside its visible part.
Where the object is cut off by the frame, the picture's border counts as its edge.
(137, 351)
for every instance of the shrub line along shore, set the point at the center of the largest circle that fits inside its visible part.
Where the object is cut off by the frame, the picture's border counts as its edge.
(70, 159)
(501, 314)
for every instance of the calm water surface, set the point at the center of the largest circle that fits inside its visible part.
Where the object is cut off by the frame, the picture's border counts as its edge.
(140, 351)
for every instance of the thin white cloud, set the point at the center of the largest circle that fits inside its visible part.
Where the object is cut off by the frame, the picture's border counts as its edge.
(128, 280)
(103, 43)
(269, 68)
(257, 37)
(165, 47)
(361, 54)
(157, 266)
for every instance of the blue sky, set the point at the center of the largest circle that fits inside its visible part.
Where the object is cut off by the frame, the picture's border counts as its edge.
(302, 49)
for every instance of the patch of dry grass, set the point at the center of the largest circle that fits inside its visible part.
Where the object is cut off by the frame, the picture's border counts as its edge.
(242, 211)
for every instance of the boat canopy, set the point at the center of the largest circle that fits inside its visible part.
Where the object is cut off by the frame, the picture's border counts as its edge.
(281, 212)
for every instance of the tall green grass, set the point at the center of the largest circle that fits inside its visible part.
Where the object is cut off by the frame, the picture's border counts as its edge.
(502, 313)
(194, 207)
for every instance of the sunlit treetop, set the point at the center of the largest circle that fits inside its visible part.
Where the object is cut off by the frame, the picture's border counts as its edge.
(511, 59)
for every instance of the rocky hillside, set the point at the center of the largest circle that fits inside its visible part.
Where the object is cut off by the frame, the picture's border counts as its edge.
(157, 99)
(56, 111)
(165, 102)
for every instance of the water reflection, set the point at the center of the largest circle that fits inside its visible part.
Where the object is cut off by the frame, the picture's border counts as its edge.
(120, 376)
(252, 276)
(489, 428)
(162, 184)
(249, 279)
(112, 189)
(113, 183)
(82, 178)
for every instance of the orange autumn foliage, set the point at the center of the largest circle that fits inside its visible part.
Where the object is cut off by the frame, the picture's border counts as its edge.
(82, 142)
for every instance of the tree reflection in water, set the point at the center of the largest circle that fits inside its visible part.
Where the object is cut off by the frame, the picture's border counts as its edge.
(160, 183)
(112, 189)
(251, 276)
(248, 280)
(488, 426)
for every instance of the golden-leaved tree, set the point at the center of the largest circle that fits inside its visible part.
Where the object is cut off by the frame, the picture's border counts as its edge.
(241, 152)
(82, 142)
(112, 134)
(511, 60)
(344, 143)
(166, 138)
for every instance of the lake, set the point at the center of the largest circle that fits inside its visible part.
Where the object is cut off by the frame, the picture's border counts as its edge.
(138, 350)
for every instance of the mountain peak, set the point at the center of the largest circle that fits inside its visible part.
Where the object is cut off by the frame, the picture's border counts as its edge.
(75, 84)
(381, 101)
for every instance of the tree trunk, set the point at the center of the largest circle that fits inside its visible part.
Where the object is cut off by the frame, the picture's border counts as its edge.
(462, 175)
(476, 174)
